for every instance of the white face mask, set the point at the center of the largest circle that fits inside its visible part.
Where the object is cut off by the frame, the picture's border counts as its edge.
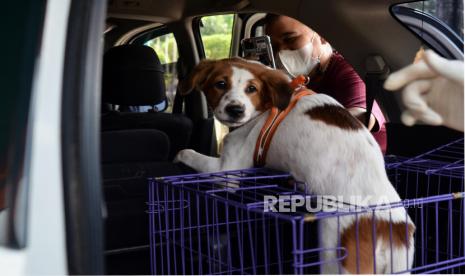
(298, 62)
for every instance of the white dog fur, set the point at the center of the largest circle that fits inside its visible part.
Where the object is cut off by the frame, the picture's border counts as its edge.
(333, 158)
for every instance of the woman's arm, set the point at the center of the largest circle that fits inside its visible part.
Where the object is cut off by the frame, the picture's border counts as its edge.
(360, 114)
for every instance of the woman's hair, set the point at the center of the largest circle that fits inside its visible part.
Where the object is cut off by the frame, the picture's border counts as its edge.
(269, 19)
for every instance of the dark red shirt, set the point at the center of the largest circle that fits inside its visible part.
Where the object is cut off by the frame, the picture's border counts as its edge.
(341, 81)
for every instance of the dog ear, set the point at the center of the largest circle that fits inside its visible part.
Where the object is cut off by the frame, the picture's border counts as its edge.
(278, 87)
(237, 59)
(197, 77)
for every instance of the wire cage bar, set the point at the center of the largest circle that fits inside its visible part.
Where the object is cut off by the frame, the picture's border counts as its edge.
(222, 223)
(439, 238)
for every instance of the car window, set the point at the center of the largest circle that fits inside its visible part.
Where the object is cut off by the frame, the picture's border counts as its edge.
(438, 24)
(255, 25)
(448, 11)
(216, 33)
(259, 30)
(167, 50)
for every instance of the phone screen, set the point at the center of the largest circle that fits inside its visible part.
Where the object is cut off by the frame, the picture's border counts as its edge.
(259, 49)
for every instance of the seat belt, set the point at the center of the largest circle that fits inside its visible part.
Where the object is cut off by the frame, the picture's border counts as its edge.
(377, 72)
(178, 98)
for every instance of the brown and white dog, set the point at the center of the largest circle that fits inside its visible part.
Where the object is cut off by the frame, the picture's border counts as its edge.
(319, 143)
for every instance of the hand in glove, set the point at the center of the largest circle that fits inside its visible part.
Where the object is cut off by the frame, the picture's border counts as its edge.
(432, 91)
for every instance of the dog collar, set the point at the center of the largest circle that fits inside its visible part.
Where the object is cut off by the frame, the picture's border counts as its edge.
(275, 118)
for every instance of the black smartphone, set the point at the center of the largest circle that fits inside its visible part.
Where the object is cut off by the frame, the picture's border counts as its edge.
(259, 49)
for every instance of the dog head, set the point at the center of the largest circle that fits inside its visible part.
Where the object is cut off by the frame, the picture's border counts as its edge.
(238, 90)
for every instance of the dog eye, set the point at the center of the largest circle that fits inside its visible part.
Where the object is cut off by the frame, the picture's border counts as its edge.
(221, 85)
(250, 89)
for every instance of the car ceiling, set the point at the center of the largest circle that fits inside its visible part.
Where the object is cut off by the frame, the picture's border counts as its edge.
(357, 28)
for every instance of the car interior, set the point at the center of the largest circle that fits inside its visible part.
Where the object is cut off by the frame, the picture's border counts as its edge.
(151, 46)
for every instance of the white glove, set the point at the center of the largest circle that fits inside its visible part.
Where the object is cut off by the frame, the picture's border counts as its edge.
(432, 91)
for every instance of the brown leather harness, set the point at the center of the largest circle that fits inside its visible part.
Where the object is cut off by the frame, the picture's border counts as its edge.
(275, 118)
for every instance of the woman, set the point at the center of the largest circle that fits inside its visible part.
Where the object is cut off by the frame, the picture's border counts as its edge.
(301, 51)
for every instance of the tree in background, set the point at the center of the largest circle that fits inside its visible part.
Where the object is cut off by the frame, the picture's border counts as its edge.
(166, 48)
(216, 32)
(217, 24)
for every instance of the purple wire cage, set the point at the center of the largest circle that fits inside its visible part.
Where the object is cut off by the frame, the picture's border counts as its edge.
(218, 223)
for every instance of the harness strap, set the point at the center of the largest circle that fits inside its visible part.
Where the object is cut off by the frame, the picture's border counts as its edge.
(275, 118)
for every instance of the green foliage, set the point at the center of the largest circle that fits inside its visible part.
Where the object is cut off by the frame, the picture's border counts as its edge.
(216, 35)
(217, 46)
(166, 48)
(217, 24)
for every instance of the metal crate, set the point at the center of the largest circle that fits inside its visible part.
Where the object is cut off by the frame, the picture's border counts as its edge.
(440, 237)
(218, 223)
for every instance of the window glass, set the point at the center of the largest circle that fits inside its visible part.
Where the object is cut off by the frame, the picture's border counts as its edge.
(167, 50)
(448, 11)
(259, 31)
(216, 33)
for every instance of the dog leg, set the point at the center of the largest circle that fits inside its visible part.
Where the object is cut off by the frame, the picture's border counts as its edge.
(198, 161)
(206, 164)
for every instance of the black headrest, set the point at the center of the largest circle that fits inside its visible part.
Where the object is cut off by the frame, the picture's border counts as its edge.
(132, 75)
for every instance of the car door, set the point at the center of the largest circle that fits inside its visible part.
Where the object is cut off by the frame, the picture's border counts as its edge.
(435, 33)
(50, 199)
(444, 37)
(31, 209)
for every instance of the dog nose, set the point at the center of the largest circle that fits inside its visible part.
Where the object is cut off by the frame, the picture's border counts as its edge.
(235, 111)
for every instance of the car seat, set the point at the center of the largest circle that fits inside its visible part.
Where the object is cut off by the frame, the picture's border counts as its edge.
(133, 76)
(135, 145)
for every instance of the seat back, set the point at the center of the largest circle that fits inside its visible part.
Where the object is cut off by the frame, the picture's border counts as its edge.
(135, 145)
(133, 76)
(128, 158)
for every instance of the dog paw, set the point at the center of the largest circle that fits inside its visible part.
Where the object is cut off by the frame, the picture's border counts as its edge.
(184, 156)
